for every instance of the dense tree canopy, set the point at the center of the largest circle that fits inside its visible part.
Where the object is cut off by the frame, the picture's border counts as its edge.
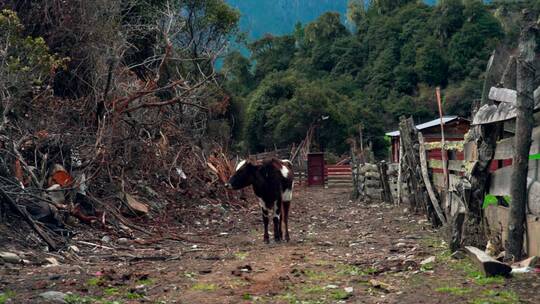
(387, 67)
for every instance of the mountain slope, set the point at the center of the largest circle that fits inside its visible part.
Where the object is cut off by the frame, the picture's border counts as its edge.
(278, 17)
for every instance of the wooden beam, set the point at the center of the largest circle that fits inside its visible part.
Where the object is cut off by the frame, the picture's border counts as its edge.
(506, 110)
(470, 151)
(489, 266)
(427, 180)
(510, 96)
(505, 147)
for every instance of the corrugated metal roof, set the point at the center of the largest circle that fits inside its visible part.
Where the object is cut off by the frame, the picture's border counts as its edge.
(429, 124)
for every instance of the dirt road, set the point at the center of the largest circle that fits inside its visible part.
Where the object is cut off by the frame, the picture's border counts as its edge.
(341, 252)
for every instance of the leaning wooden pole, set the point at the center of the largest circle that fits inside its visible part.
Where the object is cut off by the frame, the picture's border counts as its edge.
(522, 145)
(444, 156)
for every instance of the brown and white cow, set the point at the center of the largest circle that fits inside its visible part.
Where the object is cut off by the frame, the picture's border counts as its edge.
(272, 182)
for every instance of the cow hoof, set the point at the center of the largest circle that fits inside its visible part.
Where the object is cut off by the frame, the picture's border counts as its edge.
(266, 240)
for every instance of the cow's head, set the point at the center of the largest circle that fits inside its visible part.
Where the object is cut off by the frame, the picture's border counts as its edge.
(243, 176)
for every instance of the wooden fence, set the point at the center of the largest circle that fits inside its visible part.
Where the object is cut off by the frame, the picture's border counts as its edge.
(461, 160)
(338, 176)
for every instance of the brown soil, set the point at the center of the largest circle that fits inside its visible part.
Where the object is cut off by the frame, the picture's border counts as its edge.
(337, 246)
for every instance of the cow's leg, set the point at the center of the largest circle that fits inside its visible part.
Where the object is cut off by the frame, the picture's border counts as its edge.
(266, 220)
(286, 206)
(277, 221)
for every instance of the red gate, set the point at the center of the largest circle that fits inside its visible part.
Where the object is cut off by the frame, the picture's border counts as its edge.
(316, 169)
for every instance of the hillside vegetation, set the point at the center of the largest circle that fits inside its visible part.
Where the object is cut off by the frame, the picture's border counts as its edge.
(388, 67)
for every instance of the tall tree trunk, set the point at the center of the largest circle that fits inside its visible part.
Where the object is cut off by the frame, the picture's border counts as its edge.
(524, 124)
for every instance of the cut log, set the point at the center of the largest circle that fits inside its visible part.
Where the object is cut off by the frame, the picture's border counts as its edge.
(489, 266)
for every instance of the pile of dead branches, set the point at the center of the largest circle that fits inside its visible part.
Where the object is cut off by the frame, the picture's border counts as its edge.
(135, 149)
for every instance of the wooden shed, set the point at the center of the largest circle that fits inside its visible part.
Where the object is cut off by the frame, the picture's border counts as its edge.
(455, 128)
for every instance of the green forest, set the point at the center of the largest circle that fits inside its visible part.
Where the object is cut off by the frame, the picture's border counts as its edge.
(387, 67)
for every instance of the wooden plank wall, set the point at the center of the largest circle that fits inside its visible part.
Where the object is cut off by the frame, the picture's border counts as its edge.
(501, 175)
(338, 176)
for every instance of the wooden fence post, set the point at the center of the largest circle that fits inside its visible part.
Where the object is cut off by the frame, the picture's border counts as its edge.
(524, 123)
(411, 166)
(387, 194)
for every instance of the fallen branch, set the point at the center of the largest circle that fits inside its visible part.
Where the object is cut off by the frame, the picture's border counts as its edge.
(28, 219)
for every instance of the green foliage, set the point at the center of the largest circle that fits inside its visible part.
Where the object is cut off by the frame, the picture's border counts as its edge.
(5, 296)
(390, 66)
(25, 62)
(497, 297)
(272, 54)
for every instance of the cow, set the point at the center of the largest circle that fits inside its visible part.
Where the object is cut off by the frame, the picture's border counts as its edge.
(272, 182)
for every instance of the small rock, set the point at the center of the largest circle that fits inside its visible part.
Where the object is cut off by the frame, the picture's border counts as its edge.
(381, 285)
(139, 289)
(106, 239)
(401, 245)
(458, 255)
(348, 289)
(52, 262)
(246, 268)
(9, 257)
(331, 286)
(54, 277)
(429, 260)
(54, 296)
(74, 249)
(205, 271)
(409, 264)
(122, 241)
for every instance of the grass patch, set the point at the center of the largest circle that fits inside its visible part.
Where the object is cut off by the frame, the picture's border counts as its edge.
(433, 242)
(111, 291)
(4, 296)
(315, 275)
(247, 297)
(458, 291)
(77, 299)
(340, 295)
(497, 297)
(133, 296)
(292, 298)
(477, 276)
(189, 274)
(241, 255)
(313, 289)
(444, 255)
(482, 280)
(97, 281)
(204, 287)
(351, 270)
(427, 267)
(322, 263)
(145, 282)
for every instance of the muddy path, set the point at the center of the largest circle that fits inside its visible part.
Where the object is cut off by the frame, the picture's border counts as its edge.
(340, 252)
